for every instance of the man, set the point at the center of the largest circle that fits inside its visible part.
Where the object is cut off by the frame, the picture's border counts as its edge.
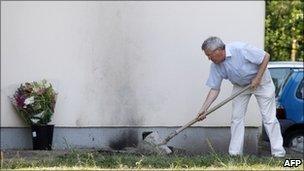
(243, 64)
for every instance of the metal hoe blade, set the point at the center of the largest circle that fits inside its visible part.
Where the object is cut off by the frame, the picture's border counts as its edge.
(154, 140)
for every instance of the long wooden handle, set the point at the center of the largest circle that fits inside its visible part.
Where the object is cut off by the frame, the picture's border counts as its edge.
(174, 133)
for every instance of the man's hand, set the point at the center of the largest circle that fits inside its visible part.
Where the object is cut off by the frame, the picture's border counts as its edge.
(213, 93)
(255, 82)
(201, 115)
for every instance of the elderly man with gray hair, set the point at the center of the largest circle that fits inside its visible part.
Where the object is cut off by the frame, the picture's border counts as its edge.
(243, 64)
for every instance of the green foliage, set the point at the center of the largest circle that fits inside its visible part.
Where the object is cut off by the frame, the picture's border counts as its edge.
(284, 23)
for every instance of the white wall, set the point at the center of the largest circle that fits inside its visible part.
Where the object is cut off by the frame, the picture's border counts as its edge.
(122, 63)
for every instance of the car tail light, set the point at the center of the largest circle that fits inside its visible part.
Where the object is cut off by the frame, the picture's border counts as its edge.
(281, 112)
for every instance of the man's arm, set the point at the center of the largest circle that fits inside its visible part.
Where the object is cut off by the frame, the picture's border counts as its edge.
(257, 79)
(212, 95)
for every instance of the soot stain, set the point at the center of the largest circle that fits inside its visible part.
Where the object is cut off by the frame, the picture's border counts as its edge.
(127, 139)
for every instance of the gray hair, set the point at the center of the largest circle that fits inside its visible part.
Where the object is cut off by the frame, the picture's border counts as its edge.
(213, 43)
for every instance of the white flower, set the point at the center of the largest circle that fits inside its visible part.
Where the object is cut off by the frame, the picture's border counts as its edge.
(39, 114)
(29, 100)
(36, 89)
(45, 83)
(34, 120)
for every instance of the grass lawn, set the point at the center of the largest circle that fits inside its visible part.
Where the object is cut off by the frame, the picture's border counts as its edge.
(94, 160)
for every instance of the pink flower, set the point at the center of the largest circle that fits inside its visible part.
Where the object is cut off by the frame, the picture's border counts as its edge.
(19, 98)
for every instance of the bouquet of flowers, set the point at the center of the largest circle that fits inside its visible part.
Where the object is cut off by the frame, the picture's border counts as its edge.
(35, 102)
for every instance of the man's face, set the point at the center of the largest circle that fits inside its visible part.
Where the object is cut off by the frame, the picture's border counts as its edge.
(216, 56)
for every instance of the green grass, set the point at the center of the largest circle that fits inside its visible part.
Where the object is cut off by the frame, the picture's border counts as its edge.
(80, 160)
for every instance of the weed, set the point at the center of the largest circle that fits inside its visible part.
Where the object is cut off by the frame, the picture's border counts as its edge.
(96, 160)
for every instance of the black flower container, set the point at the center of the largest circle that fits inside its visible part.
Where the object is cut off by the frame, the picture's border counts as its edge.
(42, 136)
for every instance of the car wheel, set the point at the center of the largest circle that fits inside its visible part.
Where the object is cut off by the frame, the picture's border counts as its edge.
(295, 140)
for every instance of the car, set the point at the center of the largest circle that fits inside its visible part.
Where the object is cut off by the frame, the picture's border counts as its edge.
(280, 70)
(289, 84)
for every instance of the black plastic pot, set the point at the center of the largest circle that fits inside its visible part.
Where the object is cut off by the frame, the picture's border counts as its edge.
(42, 137)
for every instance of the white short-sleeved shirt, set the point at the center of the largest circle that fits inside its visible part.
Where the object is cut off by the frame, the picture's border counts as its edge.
(239, 67)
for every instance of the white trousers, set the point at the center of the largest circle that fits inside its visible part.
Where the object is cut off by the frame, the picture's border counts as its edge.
(265, 95)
